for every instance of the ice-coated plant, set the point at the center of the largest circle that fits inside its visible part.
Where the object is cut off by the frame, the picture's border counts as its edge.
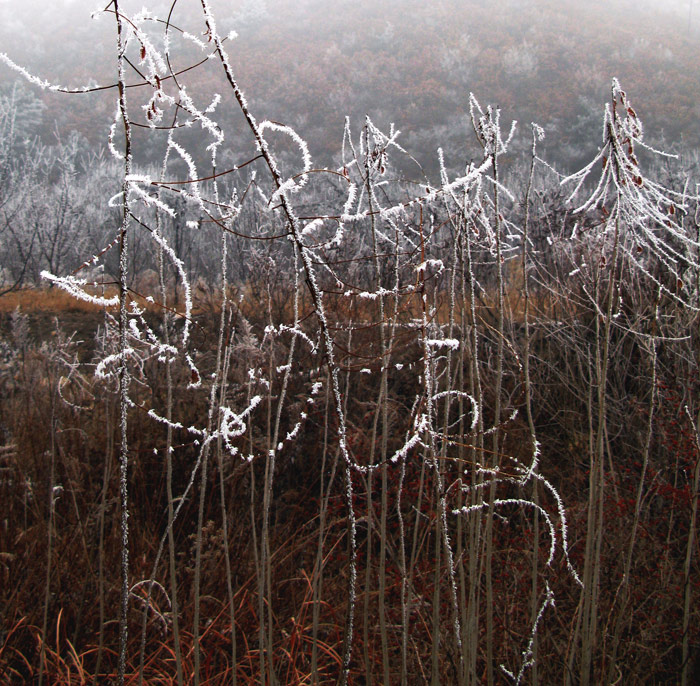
(638, 219)
(346, 376)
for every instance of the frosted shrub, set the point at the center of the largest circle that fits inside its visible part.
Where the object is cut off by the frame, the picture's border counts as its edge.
(342, 410)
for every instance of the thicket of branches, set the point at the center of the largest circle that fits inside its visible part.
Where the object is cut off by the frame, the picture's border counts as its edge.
(335, 426)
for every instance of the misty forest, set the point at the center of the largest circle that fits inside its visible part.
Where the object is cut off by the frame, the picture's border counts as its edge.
(350, 343)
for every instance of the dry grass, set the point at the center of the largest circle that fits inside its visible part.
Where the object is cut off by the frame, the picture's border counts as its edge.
(84, 447)
(50, 300)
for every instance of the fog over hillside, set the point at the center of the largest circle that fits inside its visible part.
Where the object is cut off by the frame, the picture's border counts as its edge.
(406, 62)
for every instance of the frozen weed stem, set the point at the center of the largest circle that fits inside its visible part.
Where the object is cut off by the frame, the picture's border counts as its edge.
(400, 401)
